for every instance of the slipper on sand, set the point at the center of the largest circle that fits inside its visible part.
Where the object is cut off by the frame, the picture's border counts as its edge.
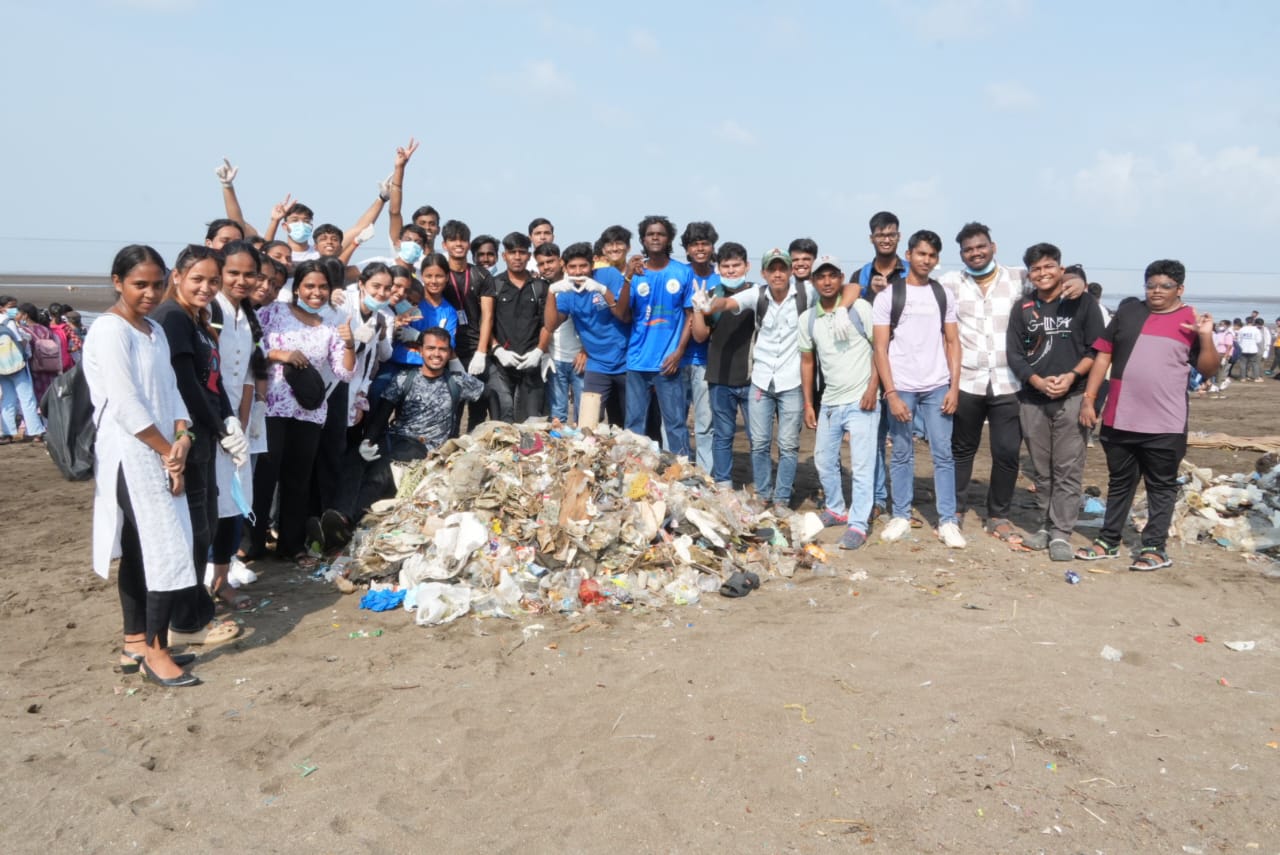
(736, 586)
(216, 632)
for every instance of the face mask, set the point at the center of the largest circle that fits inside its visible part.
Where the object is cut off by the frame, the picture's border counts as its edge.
(300, 231)
(733, 284)
(237, 496)
(493, 271)
(11, 313)
(403, 306)
(986, 271)
(375, 305)
(410, 252)
(304, 307)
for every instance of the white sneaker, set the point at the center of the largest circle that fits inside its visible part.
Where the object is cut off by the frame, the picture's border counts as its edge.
(951, 536)
(1214, 388)
(1226, 383)
(896, 528)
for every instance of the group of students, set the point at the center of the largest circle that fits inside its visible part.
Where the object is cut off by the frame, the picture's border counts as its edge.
(36, 345)
(261, 381)
(1244, 344)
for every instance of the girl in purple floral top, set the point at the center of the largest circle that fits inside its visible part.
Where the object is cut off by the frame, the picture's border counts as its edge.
(295, 334)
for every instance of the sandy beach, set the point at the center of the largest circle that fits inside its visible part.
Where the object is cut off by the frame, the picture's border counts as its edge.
(950, 701)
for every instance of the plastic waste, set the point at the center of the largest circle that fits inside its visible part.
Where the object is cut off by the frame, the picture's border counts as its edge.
(1110, 654)
(436, 603)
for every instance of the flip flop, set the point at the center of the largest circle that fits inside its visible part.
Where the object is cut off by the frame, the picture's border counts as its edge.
(215, 632)
(1002, 529)
(753, 581)
(736, 586)
(234, 600)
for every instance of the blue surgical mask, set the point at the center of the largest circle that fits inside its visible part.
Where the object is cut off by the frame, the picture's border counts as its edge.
(237, 496)
(409, 252)
(493, 271)
(11, 312)
(403, 306)
(733, 284)
(375, 305)
(304, 307)
(300, 231)
(986, 271)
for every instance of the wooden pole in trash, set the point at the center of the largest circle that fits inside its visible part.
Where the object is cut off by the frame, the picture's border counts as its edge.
(589, 410)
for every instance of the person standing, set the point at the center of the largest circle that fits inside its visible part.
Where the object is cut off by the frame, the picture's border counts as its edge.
(1049, 347)
(16, 387)
(1150, 347)
(699, 242)
(986, 295)
(512, 332)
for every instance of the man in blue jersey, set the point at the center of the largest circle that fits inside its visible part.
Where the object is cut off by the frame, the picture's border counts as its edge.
(699, 242)
(661, 304)
(600, 313)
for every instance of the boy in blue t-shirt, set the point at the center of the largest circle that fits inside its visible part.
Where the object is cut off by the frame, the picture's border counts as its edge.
(599, 309)
(699, 242)
(661, 305)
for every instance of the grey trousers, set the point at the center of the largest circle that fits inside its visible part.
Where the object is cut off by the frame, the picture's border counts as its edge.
(1056, 443)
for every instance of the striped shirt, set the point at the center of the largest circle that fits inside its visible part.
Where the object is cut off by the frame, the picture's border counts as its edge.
(983, 321)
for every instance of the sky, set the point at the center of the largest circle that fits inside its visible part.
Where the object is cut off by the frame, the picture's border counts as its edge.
(1120, 131)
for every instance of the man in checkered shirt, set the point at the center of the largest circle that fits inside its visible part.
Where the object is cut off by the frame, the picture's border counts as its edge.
(987, 293)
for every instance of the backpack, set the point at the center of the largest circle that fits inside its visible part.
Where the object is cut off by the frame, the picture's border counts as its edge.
(762, 303)
(70, 429)
(11, 358)
(46, 350)
(853, 316)
(899, 294)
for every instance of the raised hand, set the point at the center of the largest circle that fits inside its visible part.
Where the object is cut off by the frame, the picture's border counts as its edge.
(384, 190)
(366, 234)
(278, 212)
(701, 299)
(226, 173)
(403, 153)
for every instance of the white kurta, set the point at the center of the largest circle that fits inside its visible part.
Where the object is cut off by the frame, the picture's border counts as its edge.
(132, 385)
(235, 346)
(369, 355)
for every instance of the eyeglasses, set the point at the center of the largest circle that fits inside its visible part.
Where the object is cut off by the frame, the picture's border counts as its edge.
(1163, 286)
(886, 236)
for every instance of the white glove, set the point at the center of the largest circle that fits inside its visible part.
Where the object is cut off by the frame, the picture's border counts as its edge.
(366, 234)
(455, 366)
(591, 286)
(564, 286)
(366, 333)
(476, 368)
(369, 451)
(506, 357)
(226, 173)
(701, 299)
(841, 326)
(548, 366)
(532, 359)
(407, 334)
(257, 419)
(235, 443)
(384, 189)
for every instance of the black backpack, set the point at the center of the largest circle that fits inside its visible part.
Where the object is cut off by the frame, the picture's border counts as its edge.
(70, 429)
(899, 293)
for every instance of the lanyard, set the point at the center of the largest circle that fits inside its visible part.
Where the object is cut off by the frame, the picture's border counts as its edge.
(466, 287)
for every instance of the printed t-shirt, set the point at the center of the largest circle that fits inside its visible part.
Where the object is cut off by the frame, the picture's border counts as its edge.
(658, 302)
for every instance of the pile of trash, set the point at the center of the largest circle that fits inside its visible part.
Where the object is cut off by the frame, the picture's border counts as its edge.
(1240, 512)
(537, 518)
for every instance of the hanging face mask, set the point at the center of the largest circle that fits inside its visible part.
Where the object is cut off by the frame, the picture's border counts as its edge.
(403, 306)
(986, 271)
(493, 271)
(237, 496)
(410, 252)
(375, 305)
(300, 231)
(733, 284)
(11, 312)
(308, 309)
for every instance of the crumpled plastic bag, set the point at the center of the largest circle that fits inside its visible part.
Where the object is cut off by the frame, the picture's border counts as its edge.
(437, 603)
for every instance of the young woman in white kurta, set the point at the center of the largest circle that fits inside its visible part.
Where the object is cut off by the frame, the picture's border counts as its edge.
(140, 513)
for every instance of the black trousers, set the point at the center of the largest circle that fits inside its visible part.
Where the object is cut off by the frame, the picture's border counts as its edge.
(291, 454)
(364, 483)
(1005, 441)
(330, 453)
(192, 613)
(476, 411)
(514, 394)
(145, 612)
(1153, 458)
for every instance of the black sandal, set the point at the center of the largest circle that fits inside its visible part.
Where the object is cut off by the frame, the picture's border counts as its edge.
(1097, 550)
(1150, 558)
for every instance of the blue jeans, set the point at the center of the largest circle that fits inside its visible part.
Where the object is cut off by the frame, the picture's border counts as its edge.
(726, 402)
(18, 392)
(699, 396)
(882, 433)
(558, 385)
(788, 407)
(862, 426)
(671, 402)
(937, 426)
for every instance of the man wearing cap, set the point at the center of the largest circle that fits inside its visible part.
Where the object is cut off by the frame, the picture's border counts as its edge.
(850, 402)
(775, 373)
